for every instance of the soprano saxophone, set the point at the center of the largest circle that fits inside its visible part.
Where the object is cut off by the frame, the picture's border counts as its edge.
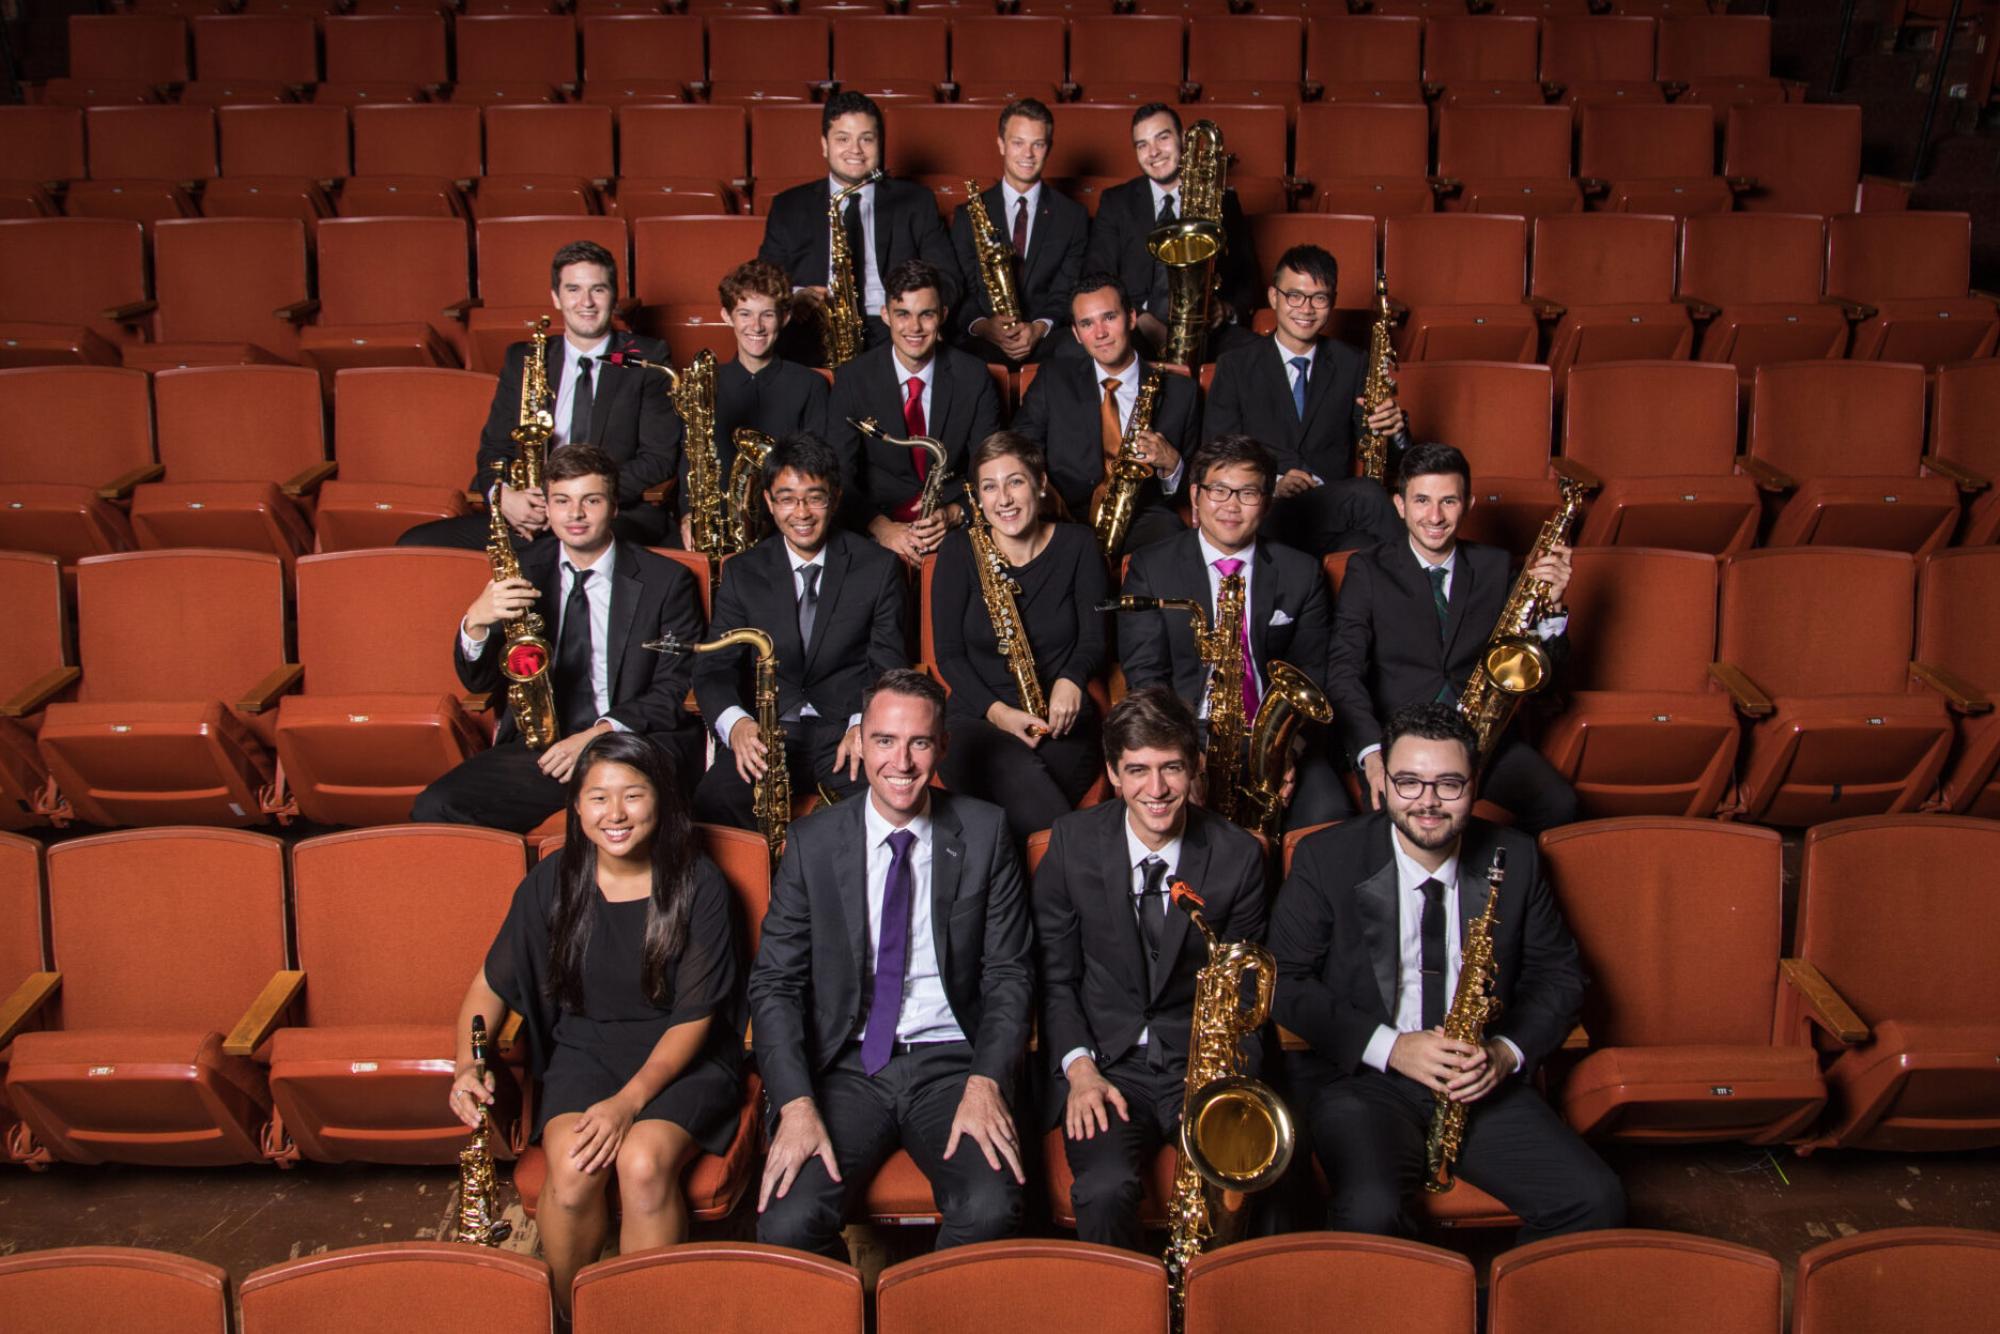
(840, 314)
(478, 1192)
(998, 588)
(996, 258)
(525, 658)
(536, 424)
(934, 477)
(1373, 447)
(771, 795)
(692, 391)
(1111, 516)
(1472, 1005)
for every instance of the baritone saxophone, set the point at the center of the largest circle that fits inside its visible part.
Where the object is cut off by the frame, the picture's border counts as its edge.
(1111, 515)
(770, 795)
(1192, 245)
(1472, 1005)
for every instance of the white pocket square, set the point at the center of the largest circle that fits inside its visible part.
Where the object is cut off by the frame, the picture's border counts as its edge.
(1281, 617)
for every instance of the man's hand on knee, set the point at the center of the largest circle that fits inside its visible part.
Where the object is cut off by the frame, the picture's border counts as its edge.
(801, 1137)
(983, 1118)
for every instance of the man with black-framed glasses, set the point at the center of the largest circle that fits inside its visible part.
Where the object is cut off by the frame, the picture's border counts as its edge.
(1288, 614)
(1299, 391)
(1368, 932)
(832, 602)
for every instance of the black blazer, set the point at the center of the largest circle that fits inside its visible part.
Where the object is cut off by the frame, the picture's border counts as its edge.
(1098, 991)
(1291, 615)
(1050, 271)
(1059, 593)
(1061, 412)
(1335, 935)
(1252, 393)
(653, 596)
(1386, 651)
(857, 627)
(782, 398)
(1125, 218)
(809, 987)
(906, 227)
(875, 478)
(631, 417)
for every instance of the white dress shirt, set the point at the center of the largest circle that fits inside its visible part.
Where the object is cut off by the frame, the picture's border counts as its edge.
(1209, 556)
(572, 362)
(1136, 854)
(868, 273)
(926, 1014)
(598, 594)
(1126, 397)
(1410, 952)
(1162, 192)
(735, 714)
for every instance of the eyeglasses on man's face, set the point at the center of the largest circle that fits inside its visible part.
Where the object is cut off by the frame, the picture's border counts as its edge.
(1309, 300)
(1449, 788)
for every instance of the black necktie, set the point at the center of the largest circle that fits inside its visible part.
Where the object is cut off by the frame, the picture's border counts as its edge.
(1151, 910)
(808, 604)
(857, 241)
(579, 408)
(1021, 227)
(576, 698)
(1158, 300)
(1432, 930)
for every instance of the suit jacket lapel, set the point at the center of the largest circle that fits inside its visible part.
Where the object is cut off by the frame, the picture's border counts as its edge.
(626, 590)
(1319, 385)
(1118, 902)
(1458, 599)
(1263, 596)
(937, 421)
(1375, 900)
(1475, 858)
(600, 388)
(833, 574)
(782, 620)
(851, 884)
(1193, 869)
(947, 862)
(883, 216)
(1194, 573)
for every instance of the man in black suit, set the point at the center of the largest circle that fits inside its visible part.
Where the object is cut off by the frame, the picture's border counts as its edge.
(600, 600)
(1413, 618)
(597, 401)
(757, 388)
(832, 603)
(1127, 214)
(1047, 232)
(1299, 391)
(888, 222)
(890, 995)
(1368, 933)
(1077, 410)
(915, 385)
(1287, 611)
(1119, 958)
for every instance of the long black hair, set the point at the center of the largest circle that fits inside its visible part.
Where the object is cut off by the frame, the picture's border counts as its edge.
(673, 873)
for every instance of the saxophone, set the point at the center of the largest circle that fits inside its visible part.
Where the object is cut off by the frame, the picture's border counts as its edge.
(840, 314)
(1373, 448)
(934, 478)
(1190, 245)
(996, 258)
(693, 393)
(771, 795)
(1513, 665)
(997, 587)
(1111, 516)
(526, 657)
(1236, 1135)
(1472, 1004)
(745, 523)
(537, 421)
(1290, 698)
(478, 1193)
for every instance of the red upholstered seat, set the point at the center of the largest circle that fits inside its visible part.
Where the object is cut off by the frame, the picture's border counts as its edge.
(406, 439)
(1964, 401)
(1958, 647)
(1608, 282)
(58, 278)
(1629, 1279)
(1463, 278)
(1123, 1292)
(1500, 158)
(1895, 1279)
(33, 672)
(1754, 282)
(77, 1289)
(250, 320)
(416, 1284)
(1293, 1282)
(1912, 272)
(1499, 413)
(388, 289)
(55, 500)
(1647, 158)
(732, 1283)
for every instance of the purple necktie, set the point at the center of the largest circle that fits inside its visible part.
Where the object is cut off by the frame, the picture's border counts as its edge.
(892, 957)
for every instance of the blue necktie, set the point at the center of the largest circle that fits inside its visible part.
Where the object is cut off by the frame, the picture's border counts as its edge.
(1299, 366)
(892, 957)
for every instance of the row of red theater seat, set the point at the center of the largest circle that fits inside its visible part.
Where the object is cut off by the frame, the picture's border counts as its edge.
(219, 1044)
(1709, 60)
(1643, 1282)
(435, 159)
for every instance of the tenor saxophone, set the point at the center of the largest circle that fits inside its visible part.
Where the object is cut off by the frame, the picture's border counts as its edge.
(996, 258)
(1472, 1005)
(1219, 650)
(1111, 516)
(1191, 245)
(998, 588)
(745, 520)
(1513, 665)
(1236, 1135)
(840, 314)
(934, 478)
(525, 658)
(692, 391)
(771, 795)
(1290, 699)
(478, 1193)
(1373, 447)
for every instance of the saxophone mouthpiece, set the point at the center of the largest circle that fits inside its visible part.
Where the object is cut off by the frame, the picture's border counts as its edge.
(1498, 871)
(1123, 604)
(666, 644)
(1185, 898)
(865, 425)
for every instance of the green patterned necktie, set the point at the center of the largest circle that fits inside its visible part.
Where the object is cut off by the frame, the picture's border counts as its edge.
(1438, 599)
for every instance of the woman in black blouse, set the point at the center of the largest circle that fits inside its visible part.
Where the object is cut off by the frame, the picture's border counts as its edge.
(1035, 767)
(620, 958)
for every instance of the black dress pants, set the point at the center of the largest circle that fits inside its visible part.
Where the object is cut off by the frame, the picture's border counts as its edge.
(1033, 785)
(1340, 514)
(1110, 1167)
(503, 787)
(1528, 786)
(722, 797)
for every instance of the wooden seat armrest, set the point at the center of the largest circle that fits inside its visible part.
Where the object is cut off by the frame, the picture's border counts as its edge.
(1593, 187)
(1672, 88)
(1742, 185)
(254, 1029)
(33, 993)
(307, 482)
(698, 90)
(1067, 91)
(120, 487)
(1578, 1039)
(1190, 91)
(1298, 187)
(35, 696)
(510, 1035)
(1311, 90)
(1546, 310)
(264, 695)
(1433, 91)
(457, 309)
(1571, 470)
(298, 312)
(1698, 309)
(1854, 311)
(476, 499)
(1291, 1041)
(1767, 477)
(1959, 694)
(1444, 187)
(660, 492)
(131, 312)
(1824, 1005)
(481, 702)
(1750, 701)
(1961, 476)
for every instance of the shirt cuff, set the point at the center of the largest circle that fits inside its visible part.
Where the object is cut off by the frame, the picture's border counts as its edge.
(1072, 1056)
(1376, 1054)
(1520, 1061)
(1171, 484)
(730, 717)
(1364, 753)
(1045, 326)
(613, 724)
(854, 720)
(469, 647)
(1551, 627)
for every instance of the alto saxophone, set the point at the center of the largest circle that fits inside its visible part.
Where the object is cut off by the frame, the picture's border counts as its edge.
(840, 314)
(1111, 516)
(1220, 651)
(537, 421)
(478, 1193)
(996, 258)
(526, 657)
(692, 391)
(997, 587)
(1513, 665)
(1472, 1005)
(1191, 244)
(1236, 1135)
(745, 522)
(771, 795)
(934, 478)
(1373, 447)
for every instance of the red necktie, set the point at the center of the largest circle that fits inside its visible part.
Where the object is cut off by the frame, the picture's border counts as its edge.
(1225, 567)
(1021, 227)
(914, 425)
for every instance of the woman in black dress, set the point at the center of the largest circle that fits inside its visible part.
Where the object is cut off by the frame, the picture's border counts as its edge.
(1035, 767)
(620, 957)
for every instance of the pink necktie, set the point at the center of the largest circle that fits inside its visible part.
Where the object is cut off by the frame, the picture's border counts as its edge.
(1225, 567)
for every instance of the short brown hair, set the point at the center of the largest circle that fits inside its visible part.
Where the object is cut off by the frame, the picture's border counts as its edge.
(1154, 718)
(1008, 445)
(1226, 450)
(583, 460)
(915, 684)
(755, 277)
(582, 252)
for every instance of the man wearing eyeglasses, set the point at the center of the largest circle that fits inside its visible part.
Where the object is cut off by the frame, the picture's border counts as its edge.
(1415, 614)
(1368, 933)
(832, 602)
(1288, 616)
(1299, 391)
